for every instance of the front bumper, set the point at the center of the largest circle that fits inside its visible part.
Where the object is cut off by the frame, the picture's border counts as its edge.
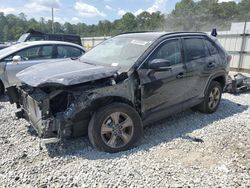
(35, 107)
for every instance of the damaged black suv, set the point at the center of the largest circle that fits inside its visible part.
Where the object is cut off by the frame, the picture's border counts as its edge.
(128, 81)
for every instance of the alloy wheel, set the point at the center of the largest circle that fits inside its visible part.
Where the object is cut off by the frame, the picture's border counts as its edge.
(117, 130)
(214, 98)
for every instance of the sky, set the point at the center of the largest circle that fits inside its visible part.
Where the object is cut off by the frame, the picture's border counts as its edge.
(87, 11)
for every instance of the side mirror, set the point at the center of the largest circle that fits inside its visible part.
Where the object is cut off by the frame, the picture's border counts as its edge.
(16, 59)
(159, 64)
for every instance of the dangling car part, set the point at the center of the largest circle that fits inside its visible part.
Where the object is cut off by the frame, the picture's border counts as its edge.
(238, 84)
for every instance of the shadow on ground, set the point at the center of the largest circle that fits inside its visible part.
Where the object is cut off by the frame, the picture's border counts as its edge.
(4, 98)
(177, 126)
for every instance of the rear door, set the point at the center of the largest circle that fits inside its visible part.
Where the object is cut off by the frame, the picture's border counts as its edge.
(29, 56)
(215, 52)
(199, 65)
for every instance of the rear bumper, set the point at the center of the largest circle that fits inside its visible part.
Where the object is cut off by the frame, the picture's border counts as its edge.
(35, 109)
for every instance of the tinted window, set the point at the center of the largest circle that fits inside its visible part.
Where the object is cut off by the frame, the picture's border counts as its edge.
(195, 49)
(68, 51)
(46, 52)
(211, 47)
(33, 53)
(36, 38)
(55, 37)
(73, 39)
(170, 51)
(28, 54)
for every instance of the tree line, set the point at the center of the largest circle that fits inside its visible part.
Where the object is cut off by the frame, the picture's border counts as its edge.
(188, 15)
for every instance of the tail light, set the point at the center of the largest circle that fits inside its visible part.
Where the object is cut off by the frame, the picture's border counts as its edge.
(229, 58)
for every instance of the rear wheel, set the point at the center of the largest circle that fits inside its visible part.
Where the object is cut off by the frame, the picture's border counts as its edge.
(114, 128)
(212, 98)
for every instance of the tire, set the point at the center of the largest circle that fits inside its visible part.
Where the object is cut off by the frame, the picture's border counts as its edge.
(115, 127)
(2, 89)
(212, 98)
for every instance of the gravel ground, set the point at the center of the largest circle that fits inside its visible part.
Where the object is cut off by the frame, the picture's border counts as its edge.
(186, 150)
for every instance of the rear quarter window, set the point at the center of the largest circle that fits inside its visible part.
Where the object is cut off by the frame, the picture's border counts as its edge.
(194, 49)
(213, 50)
(68, 51)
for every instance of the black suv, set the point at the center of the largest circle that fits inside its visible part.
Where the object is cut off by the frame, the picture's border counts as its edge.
(32, 35)
(126, 82)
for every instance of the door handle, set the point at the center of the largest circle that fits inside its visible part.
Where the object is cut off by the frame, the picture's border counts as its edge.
(180, 75)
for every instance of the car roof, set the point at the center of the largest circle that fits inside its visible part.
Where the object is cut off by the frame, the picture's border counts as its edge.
(34, 43)
(156, 35)
(23, 45)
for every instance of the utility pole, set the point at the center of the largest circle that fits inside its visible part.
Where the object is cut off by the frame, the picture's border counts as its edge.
(53, 20)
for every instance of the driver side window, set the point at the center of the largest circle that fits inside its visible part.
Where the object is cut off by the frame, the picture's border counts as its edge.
(29, 54)
(26, 54)
(33, 53)
(170, 51)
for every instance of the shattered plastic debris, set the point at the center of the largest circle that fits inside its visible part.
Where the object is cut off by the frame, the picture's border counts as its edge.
(240, 83)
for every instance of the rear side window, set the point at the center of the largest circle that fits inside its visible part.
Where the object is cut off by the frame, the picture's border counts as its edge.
(55, 37)
(36, 38)
(68, 51)
(46, 52)
(73, 39)
(211, 47)
(194, 49)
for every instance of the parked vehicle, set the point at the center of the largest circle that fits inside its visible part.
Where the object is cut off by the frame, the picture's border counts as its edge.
(126, 82)
(21, 56)
(2, 46)
(32, 35)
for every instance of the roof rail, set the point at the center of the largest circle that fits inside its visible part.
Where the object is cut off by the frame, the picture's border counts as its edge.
(185, 32)
(130, 32)
(166, 33)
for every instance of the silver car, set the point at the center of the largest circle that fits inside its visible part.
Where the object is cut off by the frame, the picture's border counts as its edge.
(21, 56)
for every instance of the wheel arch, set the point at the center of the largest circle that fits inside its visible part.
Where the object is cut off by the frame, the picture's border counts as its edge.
(97, 103)
(82, 118)
(219, 77)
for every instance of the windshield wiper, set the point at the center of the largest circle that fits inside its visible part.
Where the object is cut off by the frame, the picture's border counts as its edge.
(74, 58)
(87, 62)
(132, 57)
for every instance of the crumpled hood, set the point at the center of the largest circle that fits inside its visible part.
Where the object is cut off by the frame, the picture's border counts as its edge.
(65, 72)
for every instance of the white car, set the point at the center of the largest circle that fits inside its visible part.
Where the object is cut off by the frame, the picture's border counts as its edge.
(23, 55)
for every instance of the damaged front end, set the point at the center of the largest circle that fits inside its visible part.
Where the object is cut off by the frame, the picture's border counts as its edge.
(34, 105)
(63, 111)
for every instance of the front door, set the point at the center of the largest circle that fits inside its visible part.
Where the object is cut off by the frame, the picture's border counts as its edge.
(163, 89)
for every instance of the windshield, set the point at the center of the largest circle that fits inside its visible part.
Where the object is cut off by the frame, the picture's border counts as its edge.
(23, 37)
(118, 51)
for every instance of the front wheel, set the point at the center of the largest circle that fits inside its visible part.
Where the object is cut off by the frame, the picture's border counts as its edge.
(115, 127)
(212, 98)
